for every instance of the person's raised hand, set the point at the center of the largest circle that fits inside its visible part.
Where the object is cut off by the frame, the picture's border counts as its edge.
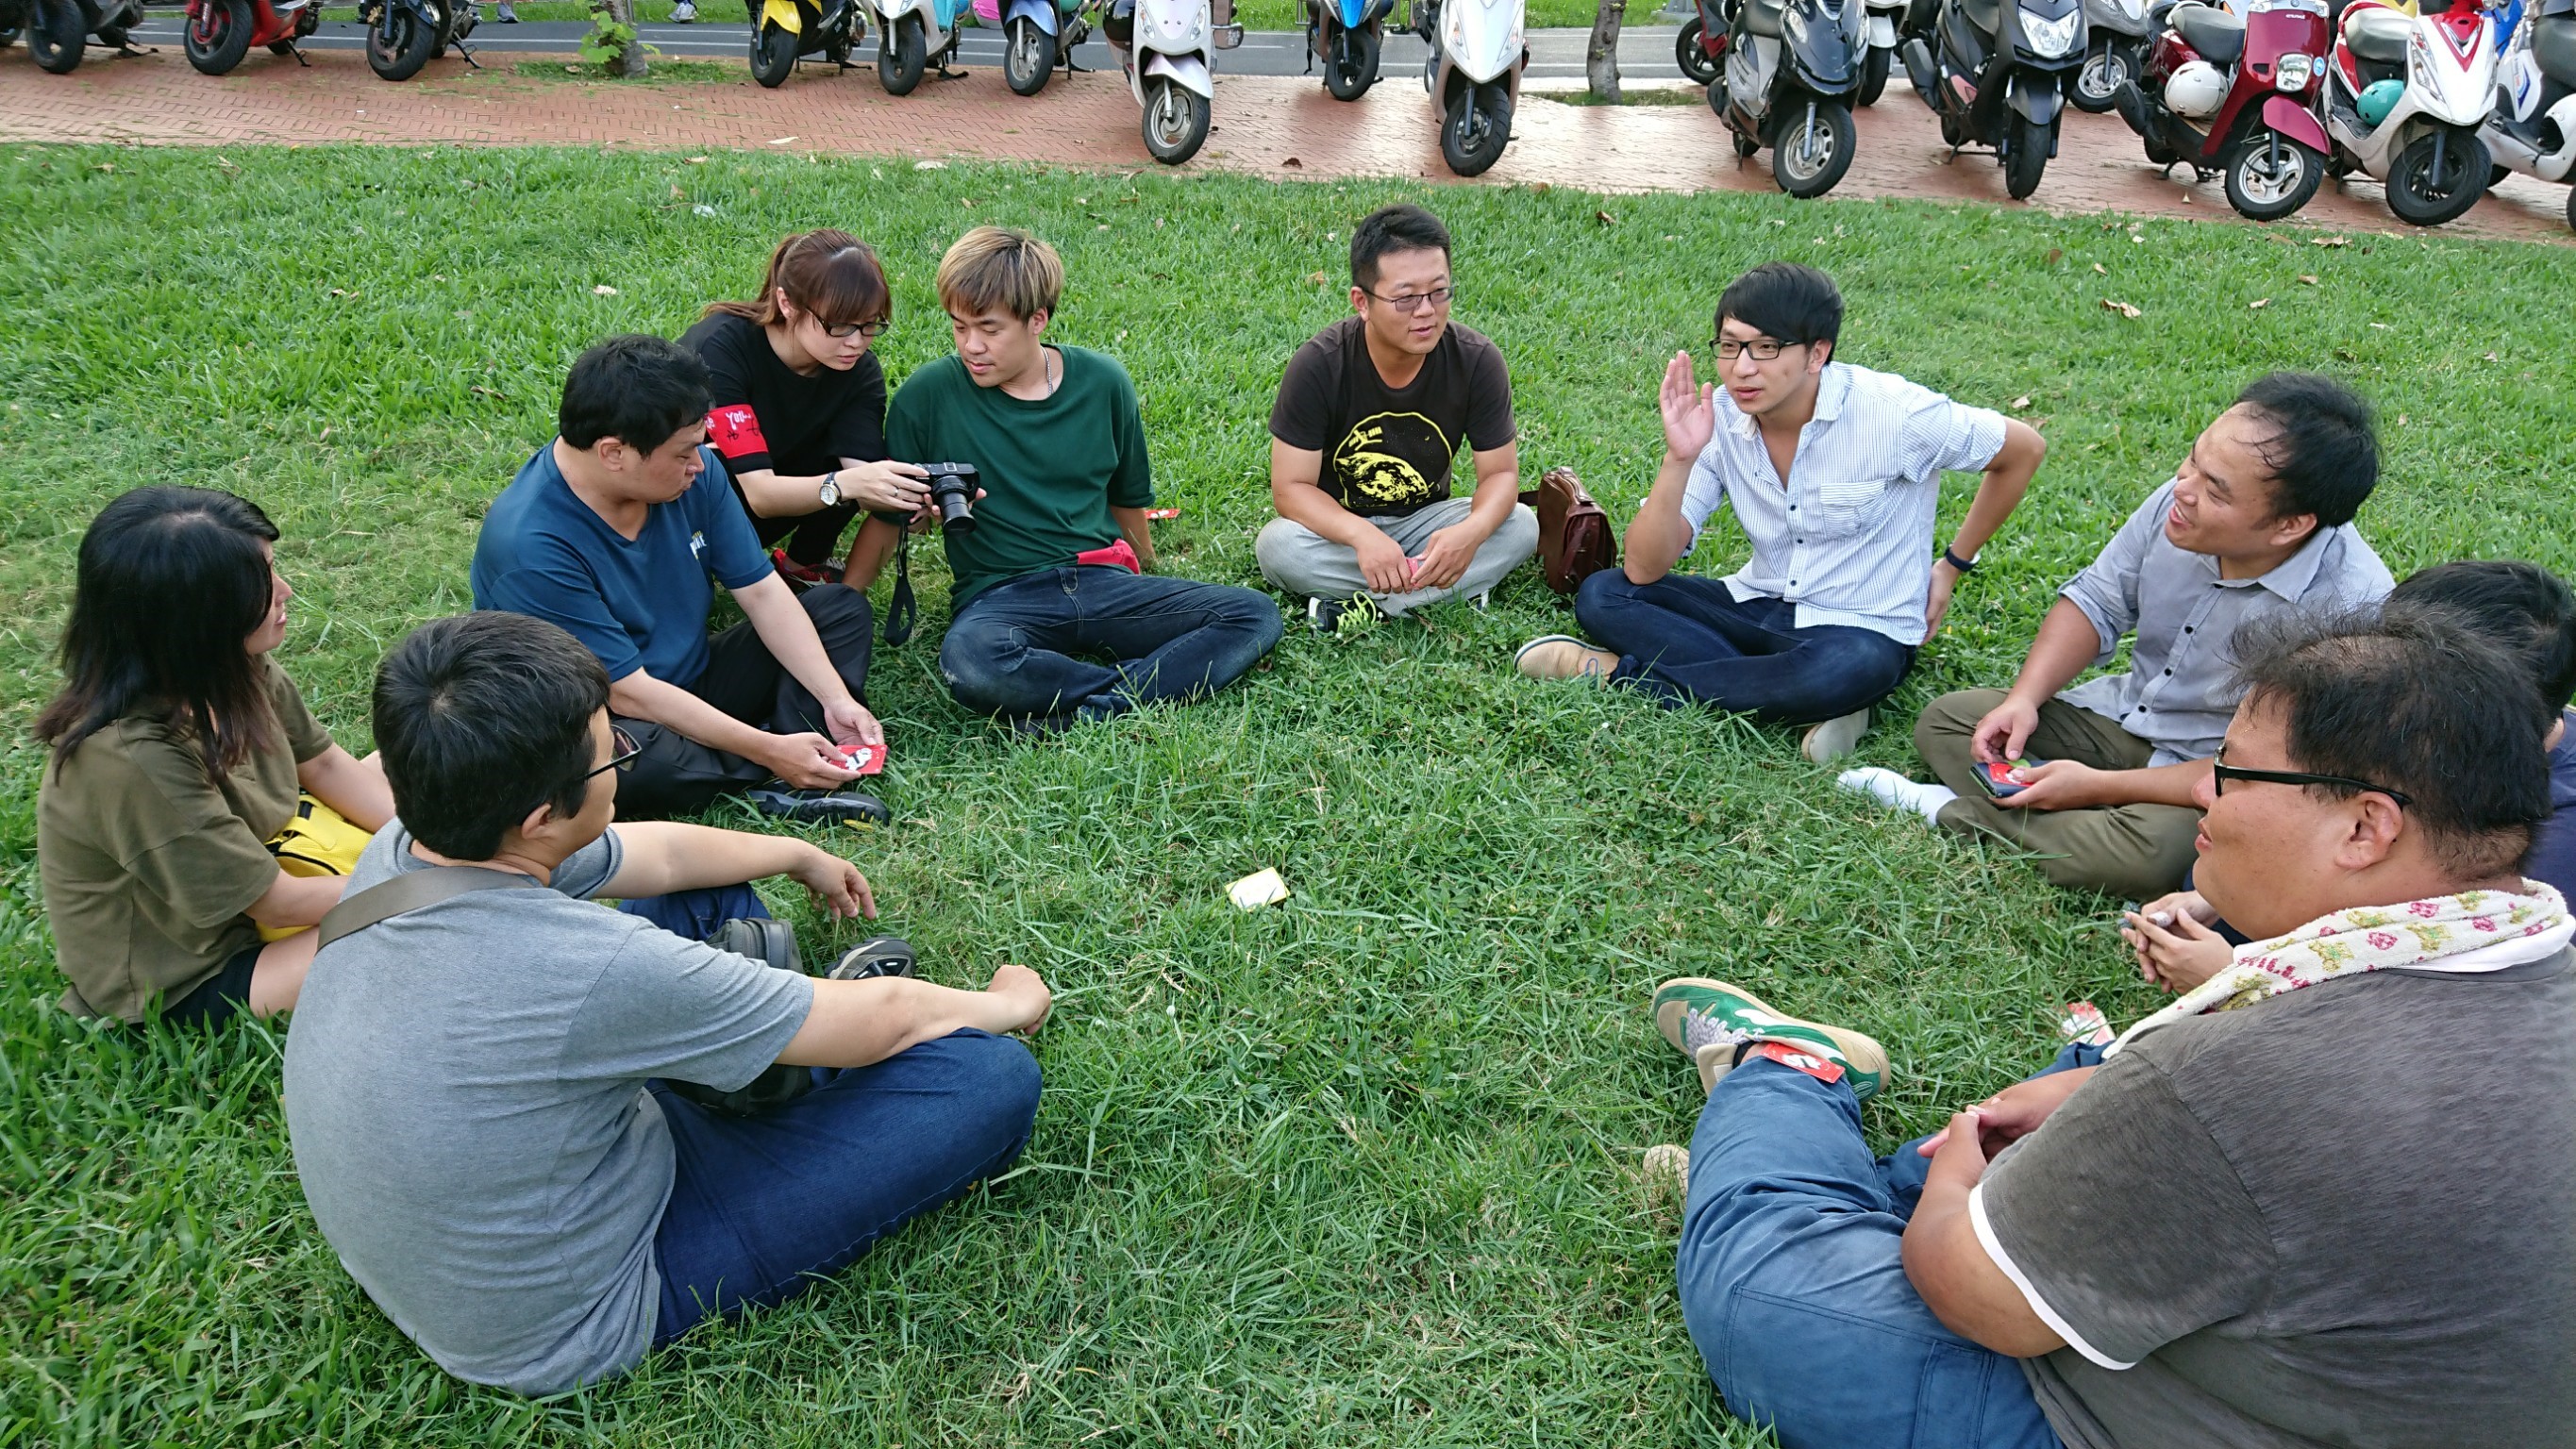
(838, 888)
(808, 761)
(1445, 556)
(1689, 408)
(2013, 1113)
(851, 724)
(1383, 564)
(2055, 785)
(887, 487)
(2178, 953)
(2006, 728)
(1023, 997)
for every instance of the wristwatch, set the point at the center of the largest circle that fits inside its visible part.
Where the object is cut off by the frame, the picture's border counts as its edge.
(1963, 565)
(830, 492)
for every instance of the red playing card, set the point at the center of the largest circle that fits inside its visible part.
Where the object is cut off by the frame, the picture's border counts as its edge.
(866, 759)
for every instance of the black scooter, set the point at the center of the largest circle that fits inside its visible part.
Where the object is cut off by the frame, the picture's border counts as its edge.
(404, 35)
(1791, 72)
(1997, 73)
(784, 31)
(58, 31)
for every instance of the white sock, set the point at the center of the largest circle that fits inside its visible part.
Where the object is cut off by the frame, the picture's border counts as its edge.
(1896, 792)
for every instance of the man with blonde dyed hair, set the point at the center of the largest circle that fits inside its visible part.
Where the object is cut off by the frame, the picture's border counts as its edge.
(1055, 619)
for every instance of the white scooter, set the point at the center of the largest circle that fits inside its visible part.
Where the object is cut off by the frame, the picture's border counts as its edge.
(1168, 49)
(2533, 130)
(1473, 73)
(2405, 96)
(1886, 17)
(911, 36)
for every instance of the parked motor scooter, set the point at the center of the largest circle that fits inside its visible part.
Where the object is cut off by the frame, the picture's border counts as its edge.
(2405, 98)
(1168, 50)
(219, 33)
(1346, 35)
(1700, 46)
(2115, 50)
(911, 36)
(2238, 97)
(1473, 74)
(58, 31)
(785, 31)
(1038, 36)
(1792, 68)
(2533, 129)
(402, 35)
(1996, 72)
(1886, 17)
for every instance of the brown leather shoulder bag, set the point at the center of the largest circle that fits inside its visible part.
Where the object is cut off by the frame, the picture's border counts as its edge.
(1574, 536)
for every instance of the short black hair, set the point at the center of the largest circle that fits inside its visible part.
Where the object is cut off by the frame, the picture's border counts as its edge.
(1788, 301)
(636, 388)
(1403, 227)
(2409, 700)
(2324, 449)
(482, 718)
(2521, 608)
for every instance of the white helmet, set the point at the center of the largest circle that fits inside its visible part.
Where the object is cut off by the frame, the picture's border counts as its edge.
(2194, 90)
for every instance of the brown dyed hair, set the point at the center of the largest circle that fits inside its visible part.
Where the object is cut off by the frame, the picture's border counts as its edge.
(829, 273)
(999, 269)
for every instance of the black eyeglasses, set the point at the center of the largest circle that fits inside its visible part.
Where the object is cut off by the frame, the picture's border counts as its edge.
(839, 331)
(1764, 349)
(622, 760)
(2221, 772)
(1416, 301)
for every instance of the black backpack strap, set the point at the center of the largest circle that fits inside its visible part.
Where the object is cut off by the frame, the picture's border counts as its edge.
(409, 892)
(900, 608)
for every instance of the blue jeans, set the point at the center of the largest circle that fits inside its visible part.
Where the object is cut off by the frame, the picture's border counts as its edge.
(1027, 648)
(1794, 1289)
(763, 1206)
(1685, 639)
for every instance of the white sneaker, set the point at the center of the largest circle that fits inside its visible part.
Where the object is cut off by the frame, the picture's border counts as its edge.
(1666, 1170)
(683, 13)
(1896, 792)
(1835, 738)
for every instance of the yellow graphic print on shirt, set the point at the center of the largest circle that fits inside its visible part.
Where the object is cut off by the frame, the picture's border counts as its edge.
(1377, 459)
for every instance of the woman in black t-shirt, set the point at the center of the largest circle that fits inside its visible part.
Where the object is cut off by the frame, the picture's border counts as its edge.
(800, 405)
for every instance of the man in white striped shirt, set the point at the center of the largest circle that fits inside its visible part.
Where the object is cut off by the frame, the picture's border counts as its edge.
(1834, 471)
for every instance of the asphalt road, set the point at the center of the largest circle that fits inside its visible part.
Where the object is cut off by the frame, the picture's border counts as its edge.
(1645, 52)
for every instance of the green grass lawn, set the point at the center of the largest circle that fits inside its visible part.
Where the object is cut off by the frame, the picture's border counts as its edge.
(1358, 1170)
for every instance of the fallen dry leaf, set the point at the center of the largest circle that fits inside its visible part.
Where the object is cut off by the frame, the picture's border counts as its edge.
(919, 165)
(1293, 161)
(1541, 189)
(1316, 279)
(2401, 420)
(2327, 241)
(2123, 308)
(783, 140)
(693, 161)
(2259, 302)
(1605, 218)
(603, 290)
(2491, 357)
(2055, 255)
(2308, 280)
(2103, 270)
(2020, 402)
(104, 166)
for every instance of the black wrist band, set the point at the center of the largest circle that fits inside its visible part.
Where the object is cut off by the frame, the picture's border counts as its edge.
(1963, 565)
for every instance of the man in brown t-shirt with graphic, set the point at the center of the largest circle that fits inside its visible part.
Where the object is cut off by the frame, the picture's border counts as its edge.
(1368, 422)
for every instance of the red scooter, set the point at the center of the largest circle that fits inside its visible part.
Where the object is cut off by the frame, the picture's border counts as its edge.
(221, 32)
(2238, 97)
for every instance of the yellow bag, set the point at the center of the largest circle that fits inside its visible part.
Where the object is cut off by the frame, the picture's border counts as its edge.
(318, 840)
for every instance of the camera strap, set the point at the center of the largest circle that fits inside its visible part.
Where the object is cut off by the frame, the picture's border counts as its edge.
(900, 609)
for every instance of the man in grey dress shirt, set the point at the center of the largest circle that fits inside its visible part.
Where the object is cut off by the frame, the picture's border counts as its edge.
(2256, 523)
(1834, 471)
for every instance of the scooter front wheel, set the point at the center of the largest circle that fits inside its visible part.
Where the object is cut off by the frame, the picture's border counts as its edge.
(1813, 151)
(217, 36)
(902, 56)
(1028, 56)
(1474, 129)
(2026, 156)
(2269, 176)
(1691, 51)
(1352, 68)
(399, 43)
(2438, 177)
(773, 55)
(1873, 75)
(2106, 67)
(55, 37)
(1176, 120)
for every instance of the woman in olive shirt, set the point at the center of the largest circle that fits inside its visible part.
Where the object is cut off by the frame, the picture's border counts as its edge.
(179, 750)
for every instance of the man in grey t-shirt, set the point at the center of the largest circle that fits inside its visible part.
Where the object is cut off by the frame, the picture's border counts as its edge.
(2256, 525)
(2329, 1199)
(475, 1089)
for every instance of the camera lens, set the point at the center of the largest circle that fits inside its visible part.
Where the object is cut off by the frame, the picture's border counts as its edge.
(955, 495)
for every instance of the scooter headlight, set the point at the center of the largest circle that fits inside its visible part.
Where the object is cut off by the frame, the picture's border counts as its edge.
(2291, 73)
(2050, 39)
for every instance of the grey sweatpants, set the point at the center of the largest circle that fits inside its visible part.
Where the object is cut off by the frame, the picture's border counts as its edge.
(1304, 562)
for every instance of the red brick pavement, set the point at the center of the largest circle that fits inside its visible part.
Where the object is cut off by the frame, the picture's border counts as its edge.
(1278, 127)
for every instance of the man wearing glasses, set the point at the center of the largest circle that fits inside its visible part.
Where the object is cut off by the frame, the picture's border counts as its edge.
(1834, 472)
(618, 532)
(2098, 780)
(1368, 421)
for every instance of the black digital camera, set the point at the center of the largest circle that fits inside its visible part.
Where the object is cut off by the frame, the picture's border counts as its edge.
(952, 488)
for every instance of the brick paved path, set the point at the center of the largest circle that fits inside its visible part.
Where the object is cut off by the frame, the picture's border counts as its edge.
(1265, 126)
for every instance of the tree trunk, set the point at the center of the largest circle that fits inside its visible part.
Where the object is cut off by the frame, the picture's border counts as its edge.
(630, 61)
(1601, 57)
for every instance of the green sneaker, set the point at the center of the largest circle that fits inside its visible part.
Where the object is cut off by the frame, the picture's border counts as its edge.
(1708, 1020)
(1344, 618)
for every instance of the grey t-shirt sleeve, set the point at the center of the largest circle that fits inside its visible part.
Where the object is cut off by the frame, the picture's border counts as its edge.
(2107, 590)
(2121, 1220)
(670, 1007)
(587, 871)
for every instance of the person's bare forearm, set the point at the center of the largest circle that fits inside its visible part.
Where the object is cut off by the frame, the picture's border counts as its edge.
(854, 1023)
(297, 900)
(876, 542)
(1139, 532)
(1960, 1284)
(2066, 645)
(1309, 505)
(2161, 785)
(350, 786)
(641, 696)
(657, 857)
(782, 495)
(2006, 482)
(1498, 490)
(1658, 536)
(788, 633)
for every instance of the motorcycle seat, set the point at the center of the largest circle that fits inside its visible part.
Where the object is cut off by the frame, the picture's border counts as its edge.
(2218, 36)
(2553, 44)
(1762, 17)
(1986, 15)
(2377, 34)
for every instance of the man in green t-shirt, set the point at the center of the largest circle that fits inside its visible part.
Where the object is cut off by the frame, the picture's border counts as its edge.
(1055, 618)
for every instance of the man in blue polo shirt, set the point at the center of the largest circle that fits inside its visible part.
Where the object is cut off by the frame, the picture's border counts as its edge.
(608, 533)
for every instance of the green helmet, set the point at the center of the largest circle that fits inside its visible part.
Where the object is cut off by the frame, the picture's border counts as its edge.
(2377, 100)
